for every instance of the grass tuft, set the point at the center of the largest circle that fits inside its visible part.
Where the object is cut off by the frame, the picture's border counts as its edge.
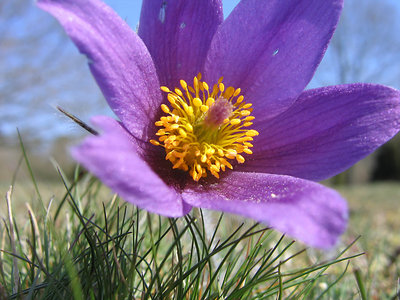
(88, 244)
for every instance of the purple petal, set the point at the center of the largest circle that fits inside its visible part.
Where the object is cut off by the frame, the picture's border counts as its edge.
(178, 34)
(112, 157)
(117, 57)
(303, 209)
(326, 131)
(271, 48)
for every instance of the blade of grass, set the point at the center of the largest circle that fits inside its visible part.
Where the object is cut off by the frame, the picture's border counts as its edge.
(29, 167)
(360, 284)
(335, 282)
(15, 271)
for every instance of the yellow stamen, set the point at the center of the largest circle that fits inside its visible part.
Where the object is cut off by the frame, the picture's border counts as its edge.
(205, 128)
(210, 101)
(204, 108)
(165, 108)
(240, 158)
(235, 121)
(165, 89)
(197, 102)
(155, 143)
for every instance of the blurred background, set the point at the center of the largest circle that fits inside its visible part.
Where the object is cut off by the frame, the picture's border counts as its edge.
(41, 68)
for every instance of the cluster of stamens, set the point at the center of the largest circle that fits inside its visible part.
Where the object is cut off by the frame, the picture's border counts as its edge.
(205, 128)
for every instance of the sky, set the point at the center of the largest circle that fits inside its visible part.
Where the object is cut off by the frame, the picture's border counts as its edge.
(129, 10)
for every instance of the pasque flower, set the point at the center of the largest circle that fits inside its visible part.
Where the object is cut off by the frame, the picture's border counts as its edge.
(213, 113)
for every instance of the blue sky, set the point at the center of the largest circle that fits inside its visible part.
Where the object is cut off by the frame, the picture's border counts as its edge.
(130, 9)
(45, 113)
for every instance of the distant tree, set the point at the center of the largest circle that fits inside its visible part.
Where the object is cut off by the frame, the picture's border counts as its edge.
(387, 165)
(39, 67)
(366, 48)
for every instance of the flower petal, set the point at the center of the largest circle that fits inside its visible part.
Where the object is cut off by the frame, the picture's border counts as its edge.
(303, 209)
(118, 59)
(112, 157)
(326, 131)
(178, 34)
(271, 48)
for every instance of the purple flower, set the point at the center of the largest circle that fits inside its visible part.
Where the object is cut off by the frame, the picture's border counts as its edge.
(266, 52)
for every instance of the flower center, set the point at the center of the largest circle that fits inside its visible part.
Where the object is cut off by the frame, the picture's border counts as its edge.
(205, 128)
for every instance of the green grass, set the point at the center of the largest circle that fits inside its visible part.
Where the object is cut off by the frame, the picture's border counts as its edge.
(78, 249)
(374, 214)
(76, 240)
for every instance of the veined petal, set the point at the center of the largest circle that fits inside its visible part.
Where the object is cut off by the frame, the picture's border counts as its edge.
(178, 34)
(112, 157)
(271, 48)
(118, 59)
(303, 209)
(326, 131)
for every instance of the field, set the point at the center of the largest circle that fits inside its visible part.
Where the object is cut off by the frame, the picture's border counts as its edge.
(374, 210)
(374, 214)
